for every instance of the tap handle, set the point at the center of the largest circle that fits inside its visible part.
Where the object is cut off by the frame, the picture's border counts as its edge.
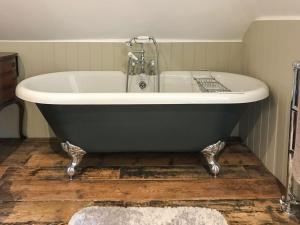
(152, 63)
(131, 55)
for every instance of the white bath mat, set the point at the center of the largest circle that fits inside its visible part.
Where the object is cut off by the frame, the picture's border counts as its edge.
(147, 216)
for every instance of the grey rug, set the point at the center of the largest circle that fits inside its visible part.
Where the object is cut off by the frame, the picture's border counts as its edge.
(147, 216)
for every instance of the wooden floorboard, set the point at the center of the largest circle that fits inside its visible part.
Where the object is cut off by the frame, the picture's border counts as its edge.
(241, 212)
(107, 190)
(34, 188)
(134, 173)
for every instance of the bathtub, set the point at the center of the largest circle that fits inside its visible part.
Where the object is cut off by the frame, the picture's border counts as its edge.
(92, 112)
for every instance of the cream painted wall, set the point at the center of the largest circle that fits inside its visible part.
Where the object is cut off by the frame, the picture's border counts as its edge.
(270, 48)
(167, 19)
(44, 57)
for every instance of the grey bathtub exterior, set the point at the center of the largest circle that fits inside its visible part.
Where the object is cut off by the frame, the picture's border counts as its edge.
(142, 128)
(90, 111)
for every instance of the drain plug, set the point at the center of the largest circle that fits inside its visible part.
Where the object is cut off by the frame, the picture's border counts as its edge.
(142, 85)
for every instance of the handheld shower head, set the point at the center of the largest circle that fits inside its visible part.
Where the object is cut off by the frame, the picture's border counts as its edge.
(140, 40)
(143, 38)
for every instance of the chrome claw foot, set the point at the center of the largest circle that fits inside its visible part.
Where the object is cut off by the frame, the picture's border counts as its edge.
(76, 153)
(285, 205)
(287, 202)
(210, 153)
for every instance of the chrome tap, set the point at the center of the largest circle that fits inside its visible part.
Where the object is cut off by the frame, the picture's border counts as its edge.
(135, 60)
(137, 63)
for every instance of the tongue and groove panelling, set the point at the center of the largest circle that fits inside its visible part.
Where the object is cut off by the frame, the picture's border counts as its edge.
(45, 57)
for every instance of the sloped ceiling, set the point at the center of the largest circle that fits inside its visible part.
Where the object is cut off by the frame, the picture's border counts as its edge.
(120, 19)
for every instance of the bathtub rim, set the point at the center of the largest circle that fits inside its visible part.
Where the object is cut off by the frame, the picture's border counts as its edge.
(123, 98)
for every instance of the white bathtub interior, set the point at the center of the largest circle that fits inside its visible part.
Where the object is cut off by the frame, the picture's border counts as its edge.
(79, 82)
(150, 80)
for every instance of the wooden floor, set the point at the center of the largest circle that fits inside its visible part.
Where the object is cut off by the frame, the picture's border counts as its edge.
(35, 190)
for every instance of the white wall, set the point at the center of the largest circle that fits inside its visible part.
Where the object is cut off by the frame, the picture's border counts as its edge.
(113, 19)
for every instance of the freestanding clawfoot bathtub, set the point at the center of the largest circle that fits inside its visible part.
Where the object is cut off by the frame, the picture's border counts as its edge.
(92, 112)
